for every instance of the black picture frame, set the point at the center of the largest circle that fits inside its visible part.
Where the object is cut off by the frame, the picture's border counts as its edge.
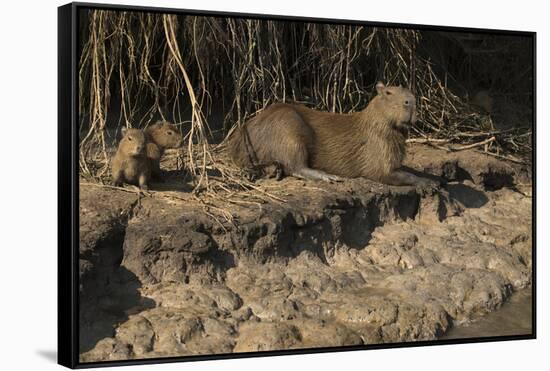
(68, 189)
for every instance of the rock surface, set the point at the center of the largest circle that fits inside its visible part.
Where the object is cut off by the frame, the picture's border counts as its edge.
(340, 264)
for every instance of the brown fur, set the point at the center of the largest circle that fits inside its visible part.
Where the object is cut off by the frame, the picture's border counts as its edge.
(161, 136)
(318, 145)
(130, 163)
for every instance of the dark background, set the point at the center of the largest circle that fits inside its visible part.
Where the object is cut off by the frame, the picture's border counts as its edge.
(469, 86)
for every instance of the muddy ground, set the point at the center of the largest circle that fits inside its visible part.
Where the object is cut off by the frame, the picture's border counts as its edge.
(334, 264)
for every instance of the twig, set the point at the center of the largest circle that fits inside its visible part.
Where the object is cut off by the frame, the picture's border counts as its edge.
(508, 157)
(427, 140)
(135, 190)
(474, 145)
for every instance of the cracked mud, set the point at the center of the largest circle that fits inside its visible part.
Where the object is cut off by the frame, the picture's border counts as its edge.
(353, 263)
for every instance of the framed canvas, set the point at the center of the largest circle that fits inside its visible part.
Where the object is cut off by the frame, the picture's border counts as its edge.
(237, 185)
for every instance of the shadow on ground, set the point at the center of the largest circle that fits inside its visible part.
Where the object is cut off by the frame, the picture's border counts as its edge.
(466, 195)
(111, 305)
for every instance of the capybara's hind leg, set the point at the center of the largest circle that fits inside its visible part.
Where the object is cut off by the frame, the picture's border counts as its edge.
(274, 170)
(282, 137)
(308, 173)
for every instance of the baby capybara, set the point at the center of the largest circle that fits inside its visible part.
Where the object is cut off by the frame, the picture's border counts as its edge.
(130, 163)
(161, 136)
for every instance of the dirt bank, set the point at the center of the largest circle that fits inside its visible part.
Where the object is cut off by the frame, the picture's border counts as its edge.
(334, 264)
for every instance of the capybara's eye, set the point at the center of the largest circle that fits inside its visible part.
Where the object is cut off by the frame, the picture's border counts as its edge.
(130, 139)
(170, 133)
(388, 92)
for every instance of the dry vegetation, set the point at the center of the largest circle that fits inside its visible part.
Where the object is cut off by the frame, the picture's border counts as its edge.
(210, 74)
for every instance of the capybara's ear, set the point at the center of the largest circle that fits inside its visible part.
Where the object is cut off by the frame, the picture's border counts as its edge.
(124, 130)
(380, 87)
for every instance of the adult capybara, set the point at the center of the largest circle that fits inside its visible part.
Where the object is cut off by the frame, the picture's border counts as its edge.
(327, 146)
(161, 136)
(130, 163)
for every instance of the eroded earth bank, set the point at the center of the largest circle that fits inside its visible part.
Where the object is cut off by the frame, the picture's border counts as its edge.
(335, 264)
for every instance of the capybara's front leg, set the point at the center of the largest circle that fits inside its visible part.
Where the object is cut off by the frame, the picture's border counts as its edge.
(313, 174)
(143, 182)
(401, 178)
(118, 178)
